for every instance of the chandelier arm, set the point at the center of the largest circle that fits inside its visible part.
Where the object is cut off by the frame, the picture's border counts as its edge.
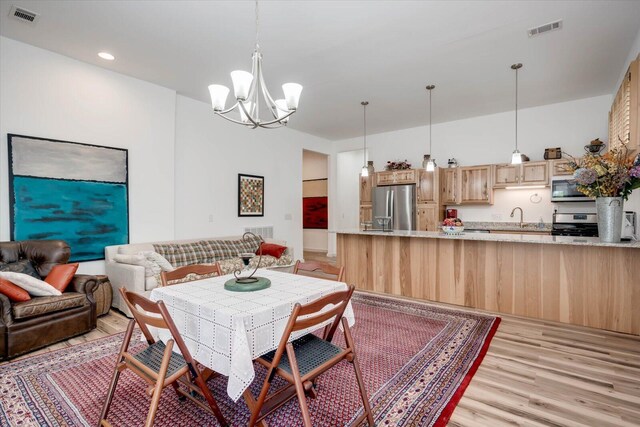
(228, 109)
(234, 120)
(280, 120)
(265, 92)
(276, 126)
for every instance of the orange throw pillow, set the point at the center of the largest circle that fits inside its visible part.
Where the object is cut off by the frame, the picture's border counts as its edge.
(13, 292)
(272, 249)
(60, 276)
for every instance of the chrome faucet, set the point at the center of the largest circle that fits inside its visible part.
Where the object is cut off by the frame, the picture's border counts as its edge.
(521, 214)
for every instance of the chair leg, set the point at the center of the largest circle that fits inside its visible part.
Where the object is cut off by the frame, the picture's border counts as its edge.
(116, 371)
(299, 387)
(157, 390)
(210, 399)
(356, 367)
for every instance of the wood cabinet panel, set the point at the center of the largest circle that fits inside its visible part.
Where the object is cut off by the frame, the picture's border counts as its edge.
(505, 175)
(476, 185)
(559, 167)
(365, 189)
(427, 186)
(535, 173)
(396, 177)
(581, 285)
(366, 214)
(427, 217)
(450, 186)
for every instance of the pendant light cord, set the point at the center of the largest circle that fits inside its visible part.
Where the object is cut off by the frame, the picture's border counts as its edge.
(517, 108)
(364, 120)
(430, 153)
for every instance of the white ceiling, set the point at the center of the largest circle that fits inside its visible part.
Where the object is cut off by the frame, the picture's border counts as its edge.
(344, 52)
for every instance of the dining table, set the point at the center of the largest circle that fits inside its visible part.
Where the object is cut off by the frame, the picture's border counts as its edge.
(226, 330)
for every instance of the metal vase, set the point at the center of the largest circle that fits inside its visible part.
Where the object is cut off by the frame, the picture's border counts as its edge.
(609, 218)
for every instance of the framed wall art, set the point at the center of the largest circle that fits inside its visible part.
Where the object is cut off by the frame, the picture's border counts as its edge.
(69, 191)
(250, 195)
(315, 204)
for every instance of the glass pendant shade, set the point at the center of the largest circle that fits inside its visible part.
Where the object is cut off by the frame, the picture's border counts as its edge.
(516, 158)
(370, 168)
(241, 83)
(428, 163)
(219, 95)
(292, 93)
(281, 109)
(365, 171)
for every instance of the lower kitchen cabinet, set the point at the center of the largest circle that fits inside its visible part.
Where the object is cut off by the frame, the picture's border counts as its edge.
(427, 217)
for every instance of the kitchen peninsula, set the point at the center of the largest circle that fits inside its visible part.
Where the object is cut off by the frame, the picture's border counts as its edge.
(577, 280)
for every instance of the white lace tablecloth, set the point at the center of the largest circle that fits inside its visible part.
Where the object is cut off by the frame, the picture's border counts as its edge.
(226, 331)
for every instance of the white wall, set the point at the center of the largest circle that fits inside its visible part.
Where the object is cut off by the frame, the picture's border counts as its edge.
(315, 166)
(490, 139)
(49, 95)
(210, 152)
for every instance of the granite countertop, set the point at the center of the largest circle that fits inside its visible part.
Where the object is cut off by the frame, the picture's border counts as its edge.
(497, 237)
(507, 226)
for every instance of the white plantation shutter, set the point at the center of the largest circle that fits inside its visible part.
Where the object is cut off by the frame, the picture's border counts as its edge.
(624, 114)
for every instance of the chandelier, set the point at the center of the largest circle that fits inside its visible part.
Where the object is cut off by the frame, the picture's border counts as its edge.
(248, 90)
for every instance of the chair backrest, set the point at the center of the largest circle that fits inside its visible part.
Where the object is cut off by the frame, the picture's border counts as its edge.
(145, 318)
(312, 268)
(312, 314)
(198, 271)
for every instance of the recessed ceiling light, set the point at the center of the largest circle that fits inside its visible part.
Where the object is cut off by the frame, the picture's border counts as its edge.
(107, 56)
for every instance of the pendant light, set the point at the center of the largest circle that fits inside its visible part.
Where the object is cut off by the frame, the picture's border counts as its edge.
(429, 163)
(516, 157)
(367, 169)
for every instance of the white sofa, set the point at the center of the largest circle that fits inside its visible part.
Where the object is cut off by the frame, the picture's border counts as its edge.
(133, 278)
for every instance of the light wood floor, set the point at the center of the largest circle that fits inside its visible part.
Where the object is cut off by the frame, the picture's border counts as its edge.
(534, 374)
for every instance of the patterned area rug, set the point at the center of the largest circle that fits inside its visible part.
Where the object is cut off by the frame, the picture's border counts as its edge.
(416, 359)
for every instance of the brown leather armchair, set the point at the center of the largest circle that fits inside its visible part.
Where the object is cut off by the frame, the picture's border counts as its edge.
(29, 325)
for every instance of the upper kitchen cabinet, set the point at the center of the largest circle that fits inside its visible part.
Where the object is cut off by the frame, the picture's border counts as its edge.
(560, 167)
(535, 173)
(528, 173)
(624, 116)
(476, 185)
(398, 177)
(427, 186)
(365, 189)
(450, 186)
(505, 175)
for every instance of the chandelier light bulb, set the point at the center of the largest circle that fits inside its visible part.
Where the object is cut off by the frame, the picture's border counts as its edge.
(219, 95)
(292, 93)
(241, 84)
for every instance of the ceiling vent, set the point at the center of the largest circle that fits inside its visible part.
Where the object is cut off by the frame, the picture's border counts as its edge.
(23, 15)
(551, 26)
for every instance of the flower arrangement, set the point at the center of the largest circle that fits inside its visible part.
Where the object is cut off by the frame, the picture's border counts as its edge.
(397, 165)
(613, 174)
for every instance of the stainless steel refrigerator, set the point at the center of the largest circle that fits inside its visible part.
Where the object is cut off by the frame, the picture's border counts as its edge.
(394, 207)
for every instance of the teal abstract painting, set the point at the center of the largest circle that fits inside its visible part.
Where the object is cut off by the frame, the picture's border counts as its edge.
(68, 191)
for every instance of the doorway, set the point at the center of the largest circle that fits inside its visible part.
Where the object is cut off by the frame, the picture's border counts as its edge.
(315, 212)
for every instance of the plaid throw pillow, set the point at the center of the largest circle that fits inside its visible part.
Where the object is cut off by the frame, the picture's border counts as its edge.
(219, 250)
(179, 254)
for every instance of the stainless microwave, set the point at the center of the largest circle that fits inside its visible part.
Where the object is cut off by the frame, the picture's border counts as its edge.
(563, 189)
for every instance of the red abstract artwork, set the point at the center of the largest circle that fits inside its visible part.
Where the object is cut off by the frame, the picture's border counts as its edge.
(314, 213)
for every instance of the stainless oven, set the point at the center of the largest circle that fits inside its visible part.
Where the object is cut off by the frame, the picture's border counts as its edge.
(563, 189)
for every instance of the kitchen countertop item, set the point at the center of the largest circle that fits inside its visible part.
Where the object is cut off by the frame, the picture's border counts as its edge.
(506, 226)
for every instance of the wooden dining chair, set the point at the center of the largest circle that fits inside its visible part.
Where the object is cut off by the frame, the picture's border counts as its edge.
(189, 273)
(300, 362)
(158, 364)
(319, 269)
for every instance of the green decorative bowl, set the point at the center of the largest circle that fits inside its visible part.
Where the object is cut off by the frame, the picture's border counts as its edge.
(234, 286)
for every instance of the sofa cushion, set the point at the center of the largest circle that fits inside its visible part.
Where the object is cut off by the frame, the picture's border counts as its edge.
(43, 305)
(179, 254)
(35, 287)
(225, 249)
(13, 292)
(61, 275)
(23, 266)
